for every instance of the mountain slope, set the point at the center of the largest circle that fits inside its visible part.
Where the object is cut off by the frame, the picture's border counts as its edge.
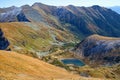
(90, 20)
(28, 68)
(98, 48)
(20, 67)
(37, 38)
(80, 21)
(84, 21)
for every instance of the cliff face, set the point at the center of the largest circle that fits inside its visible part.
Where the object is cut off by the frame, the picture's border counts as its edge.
(3, 41)
(99, 49)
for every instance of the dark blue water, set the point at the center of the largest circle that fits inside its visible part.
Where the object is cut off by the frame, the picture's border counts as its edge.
(76, 62)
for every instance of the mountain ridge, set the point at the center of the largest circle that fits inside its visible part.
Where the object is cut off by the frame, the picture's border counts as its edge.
(80, 21)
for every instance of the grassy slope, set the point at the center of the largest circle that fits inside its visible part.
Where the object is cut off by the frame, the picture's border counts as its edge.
(98, 37)
(33, 36)
(15, 65)
(20, 67)
(21, 35)
(111, 72)
(103, 72)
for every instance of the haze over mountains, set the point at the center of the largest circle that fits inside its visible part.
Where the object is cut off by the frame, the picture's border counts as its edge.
(116, 8)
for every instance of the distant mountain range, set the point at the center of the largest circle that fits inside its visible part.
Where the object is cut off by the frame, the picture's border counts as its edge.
(80, 21)
(116, 9)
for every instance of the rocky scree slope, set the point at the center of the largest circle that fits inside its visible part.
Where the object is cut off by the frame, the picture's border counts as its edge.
(97, 49)
(12, 14)
(81, 21)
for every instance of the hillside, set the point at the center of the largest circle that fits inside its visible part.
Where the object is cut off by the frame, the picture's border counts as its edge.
(20, 67)
(104, 50)
(34, 37)
(79, 21)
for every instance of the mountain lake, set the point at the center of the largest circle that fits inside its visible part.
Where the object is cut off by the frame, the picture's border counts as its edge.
(73, 61)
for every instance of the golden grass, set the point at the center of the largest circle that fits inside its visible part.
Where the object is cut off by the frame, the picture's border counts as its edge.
(13, 65)
(20, 67)
(111, 73)
(98, 37)
(23, 35)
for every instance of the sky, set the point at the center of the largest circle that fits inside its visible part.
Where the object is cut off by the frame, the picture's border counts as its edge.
(18, 3)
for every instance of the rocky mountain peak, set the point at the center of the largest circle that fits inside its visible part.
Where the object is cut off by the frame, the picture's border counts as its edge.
(25, 6)
(38, 4)
(96, 6)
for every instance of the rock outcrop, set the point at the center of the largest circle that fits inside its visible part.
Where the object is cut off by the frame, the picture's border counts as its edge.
(99, 49)
(3, 41)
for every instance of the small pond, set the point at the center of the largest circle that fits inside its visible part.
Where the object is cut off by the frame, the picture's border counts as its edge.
(76, 62)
